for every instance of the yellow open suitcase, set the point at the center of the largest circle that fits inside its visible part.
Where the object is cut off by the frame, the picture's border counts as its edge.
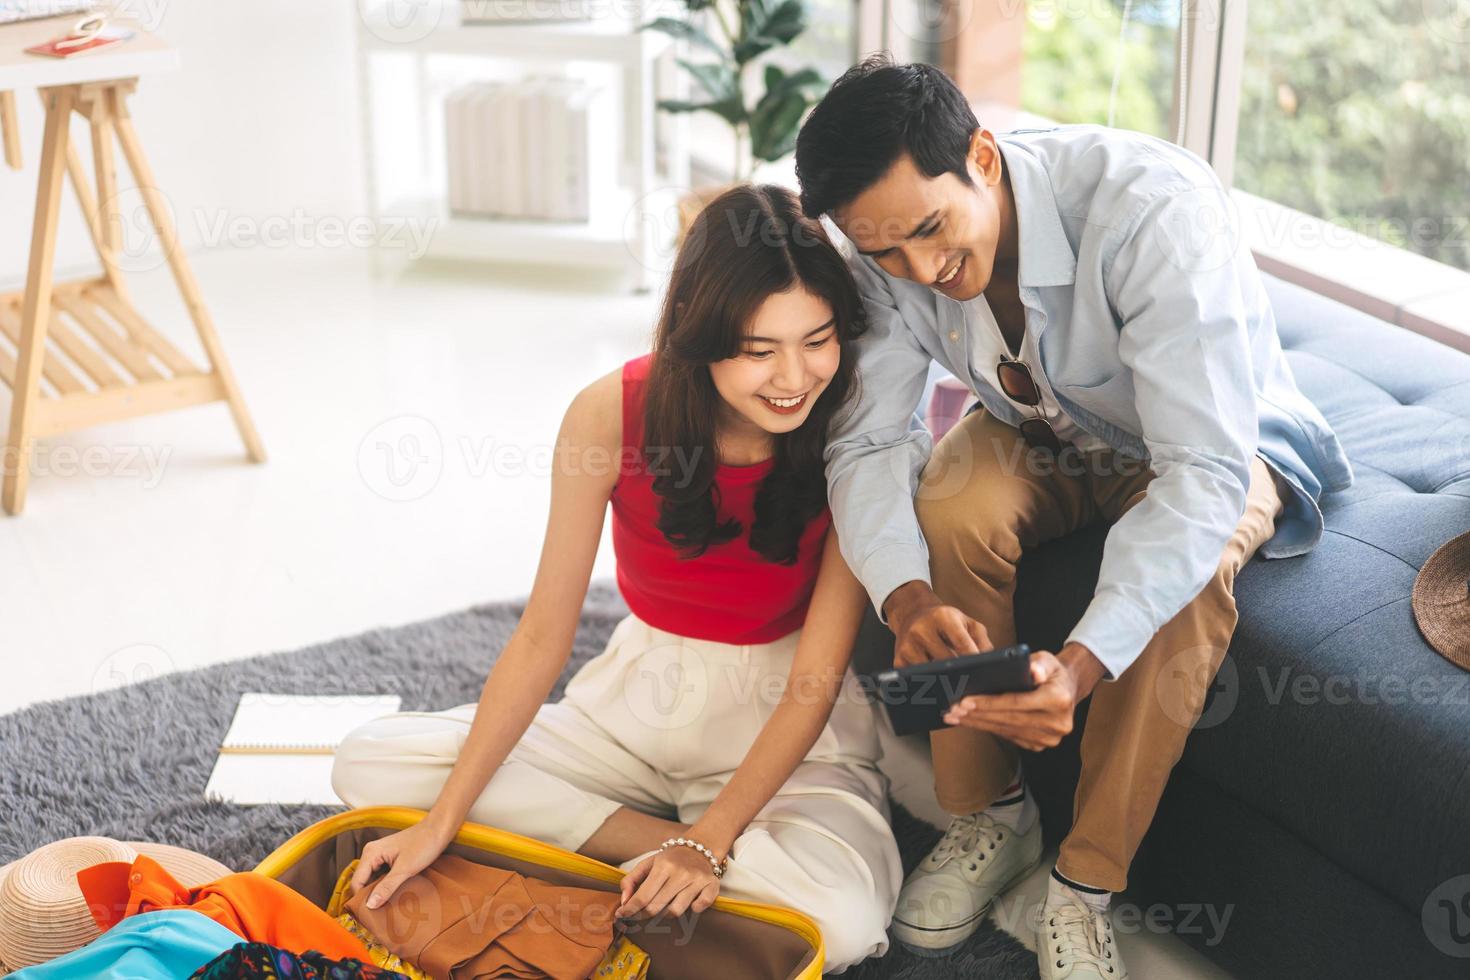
(732, 941)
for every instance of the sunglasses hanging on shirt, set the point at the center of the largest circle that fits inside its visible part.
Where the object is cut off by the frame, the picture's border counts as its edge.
(1018, 384)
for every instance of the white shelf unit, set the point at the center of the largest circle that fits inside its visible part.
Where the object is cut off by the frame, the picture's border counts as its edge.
(632, 231)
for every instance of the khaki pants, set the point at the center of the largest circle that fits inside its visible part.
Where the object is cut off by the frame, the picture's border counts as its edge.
(980, 505)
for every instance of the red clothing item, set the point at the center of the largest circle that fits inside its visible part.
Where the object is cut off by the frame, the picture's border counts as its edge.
(257, 908)
(729, 594)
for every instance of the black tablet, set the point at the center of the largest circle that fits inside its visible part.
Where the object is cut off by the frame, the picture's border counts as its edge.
(916, 697)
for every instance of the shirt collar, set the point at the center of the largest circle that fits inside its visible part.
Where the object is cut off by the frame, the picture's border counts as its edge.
(1046, 257)
(115, 890)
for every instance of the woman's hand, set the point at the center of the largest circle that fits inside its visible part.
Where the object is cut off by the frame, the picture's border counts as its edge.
(404, 854)
(676, 879)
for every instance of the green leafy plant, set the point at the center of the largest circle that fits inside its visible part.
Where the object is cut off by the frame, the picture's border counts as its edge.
(748, 29)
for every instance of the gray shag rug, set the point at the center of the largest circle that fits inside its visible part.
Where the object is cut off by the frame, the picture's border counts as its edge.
(132, 763)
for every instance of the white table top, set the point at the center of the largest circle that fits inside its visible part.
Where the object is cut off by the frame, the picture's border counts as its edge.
(142, 54)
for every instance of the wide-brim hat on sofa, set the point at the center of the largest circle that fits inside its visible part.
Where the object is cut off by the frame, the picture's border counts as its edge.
(1441, 600)
(42, 912)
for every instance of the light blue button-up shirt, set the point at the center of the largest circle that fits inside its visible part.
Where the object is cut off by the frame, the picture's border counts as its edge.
(1157, 337)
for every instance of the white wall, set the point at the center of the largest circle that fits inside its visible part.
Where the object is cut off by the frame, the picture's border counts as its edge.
(260, 123)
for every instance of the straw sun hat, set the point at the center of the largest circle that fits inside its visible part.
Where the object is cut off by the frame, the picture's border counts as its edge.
(1441, 600)
(42, 912)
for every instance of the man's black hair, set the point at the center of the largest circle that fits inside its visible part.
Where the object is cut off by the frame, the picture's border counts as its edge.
(873, 114)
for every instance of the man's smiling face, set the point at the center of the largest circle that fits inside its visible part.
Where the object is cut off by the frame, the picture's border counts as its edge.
(937, 231)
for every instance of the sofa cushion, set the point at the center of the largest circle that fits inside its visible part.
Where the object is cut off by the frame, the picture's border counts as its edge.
(1332, 716)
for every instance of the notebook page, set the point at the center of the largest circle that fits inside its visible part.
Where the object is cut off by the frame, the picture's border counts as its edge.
(304, 722)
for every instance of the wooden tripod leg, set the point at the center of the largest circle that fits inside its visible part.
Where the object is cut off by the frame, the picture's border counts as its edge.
(10, 130)
(95, 215)
(99, 212)
(158, 212)
(109, 232)
(36, 309)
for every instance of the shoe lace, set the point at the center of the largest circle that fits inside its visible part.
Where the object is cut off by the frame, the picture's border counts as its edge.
(972, 834)
(1084, 933)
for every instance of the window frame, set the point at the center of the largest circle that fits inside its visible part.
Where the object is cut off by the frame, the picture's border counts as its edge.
(1356, 270)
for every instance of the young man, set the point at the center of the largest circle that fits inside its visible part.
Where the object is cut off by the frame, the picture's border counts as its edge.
(1088, 285)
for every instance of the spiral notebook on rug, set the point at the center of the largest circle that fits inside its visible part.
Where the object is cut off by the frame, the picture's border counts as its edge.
(280, 747)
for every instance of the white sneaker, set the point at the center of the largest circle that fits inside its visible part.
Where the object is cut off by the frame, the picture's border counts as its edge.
(1076, 943)
(946, 897)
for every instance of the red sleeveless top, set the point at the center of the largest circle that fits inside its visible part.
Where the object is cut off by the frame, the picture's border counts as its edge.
(729, 594)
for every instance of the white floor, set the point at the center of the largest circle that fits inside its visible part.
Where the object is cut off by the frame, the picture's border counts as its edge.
(407, 420)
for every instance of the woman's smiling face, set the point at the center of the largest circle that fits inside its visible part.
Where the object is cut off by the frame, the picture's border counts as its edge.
(788, 356)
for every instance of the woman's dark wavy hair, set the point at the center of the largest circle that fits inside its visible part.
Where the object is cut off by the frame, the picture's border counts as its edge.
(747, 244)
(874, 113)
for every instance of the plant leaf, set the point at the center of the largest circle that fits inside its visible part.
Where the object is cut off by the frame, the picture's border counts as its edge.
(687, 31)
(763, 28)
(773, 125)
(773, 77)
(808, 80)
(717, 79)
(732, 112)
(786, 21)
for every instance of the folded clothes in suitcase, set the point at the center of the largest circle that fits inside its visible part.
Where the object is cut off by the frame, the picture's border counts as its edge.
(733, 940)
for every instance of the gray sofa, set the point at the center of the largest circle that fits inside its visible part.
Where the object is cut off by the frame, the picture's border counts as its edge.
(1323, 802)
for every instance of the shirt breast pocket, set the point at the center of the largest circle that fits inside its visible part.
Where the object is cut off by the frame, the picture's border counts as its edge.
(1110, 398)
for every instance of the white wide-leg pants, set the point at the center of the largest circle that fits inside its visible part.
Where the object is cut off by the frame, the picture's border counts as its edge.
(659, 722)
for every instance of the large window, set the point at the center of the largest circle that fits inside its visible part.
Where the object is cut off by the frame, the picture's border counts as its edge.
(1101, 61)
(1344, 128)
(1358, 113)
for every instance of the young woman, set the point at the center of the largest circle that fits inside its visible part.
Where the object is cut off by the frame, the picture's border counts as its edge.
(722, 711)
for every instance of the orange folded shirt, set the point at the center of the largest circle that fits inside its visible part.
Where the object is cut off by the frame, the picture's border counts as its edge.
(258, 908)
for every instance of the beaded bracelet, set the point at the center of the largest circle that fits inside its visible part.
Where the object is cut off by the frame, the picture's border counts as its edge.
(717, 866)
